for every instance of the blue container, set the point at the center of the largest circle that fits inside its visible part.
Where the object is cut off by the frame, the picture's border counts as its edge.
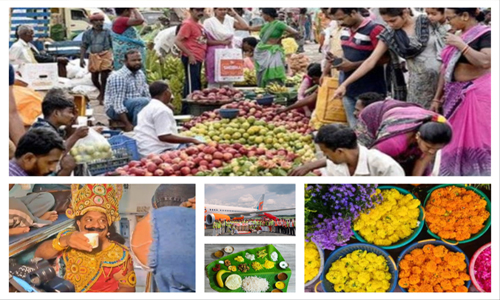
(343, 251)
(266, 100)
(421, 244)
(229, 113)
(416, 231)
(120, 142)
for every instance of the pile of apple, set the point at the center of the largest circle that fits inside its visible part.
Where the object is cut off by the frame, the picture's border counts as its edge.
(252, 132)
(201, 159)
(292, 120)
(225, 94)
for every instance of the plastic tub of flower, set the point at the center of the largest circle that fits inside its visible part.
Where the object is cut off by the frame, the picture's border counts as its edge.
(344, 251)
(416, 231)
(473, 237)
(472, 272)
(421, 245)
(321, 266)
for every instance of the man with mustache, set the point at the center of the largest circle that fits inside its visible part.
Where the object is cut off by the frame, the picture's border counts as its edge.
(192, 41)
(105, 267)
(127, 91)
(97, 41)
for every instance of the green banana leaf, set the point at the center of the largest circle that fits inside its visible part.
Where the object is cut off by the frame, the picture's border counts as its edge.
(268, 274)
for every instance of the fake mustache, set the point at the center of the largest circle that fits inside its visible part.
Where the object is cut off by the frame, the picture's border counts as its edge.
(90, 229)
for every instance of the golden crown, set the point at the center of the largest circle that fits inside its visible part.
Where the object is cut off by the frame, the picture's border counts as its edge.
(103, 198)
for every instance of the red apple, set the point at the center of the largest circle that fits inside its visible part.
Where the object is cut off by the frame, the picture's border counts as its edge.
(185, 171)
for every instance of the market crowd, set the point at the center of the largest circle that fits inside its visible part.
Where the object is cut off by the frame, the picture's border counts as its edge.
(415, 86)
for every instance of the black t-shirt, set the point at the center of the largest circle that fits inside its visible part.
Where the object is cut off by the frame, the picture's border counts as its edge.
(481, 42)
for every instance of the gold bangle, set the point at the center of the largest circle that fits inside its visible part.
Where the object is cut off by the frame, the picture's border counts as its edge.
(57, 245)
(465, 50)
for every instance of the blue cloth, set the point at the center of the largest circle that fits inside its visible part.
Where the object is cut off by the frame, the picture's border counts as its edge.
(172, 254)
(349, 104)
(12, 75)
(133, 106)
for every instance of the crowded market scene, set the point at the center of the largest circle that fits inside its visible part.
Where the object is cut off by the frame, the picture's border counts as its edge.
(250, 92)
(416, 238)
(89, 238)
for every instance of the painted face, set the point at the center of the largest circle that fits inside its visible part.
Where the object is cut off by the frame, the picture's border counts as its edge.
(42, 165)
(435, 16)
(134, 62)
(94, 222)
(395, 23)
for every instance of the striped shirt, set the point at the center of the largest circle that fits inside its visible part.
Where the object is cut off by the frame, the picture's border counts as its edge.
(15, 169)
(358, 45)
(123, 85)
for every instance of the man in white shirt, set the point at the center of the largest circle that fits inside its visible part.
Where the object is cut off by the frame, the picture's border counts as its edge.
(345, 157)
(20, 52)
(156, 129)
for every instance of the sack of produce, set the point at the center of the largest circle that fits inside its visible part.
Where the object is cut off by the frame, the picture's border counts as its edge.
(92, 147)
(328, 110)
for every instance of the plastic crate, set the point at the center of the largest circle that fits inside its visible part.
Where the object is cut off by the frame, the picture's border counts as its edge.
(122, 143)
(197, 109)
(105, 166)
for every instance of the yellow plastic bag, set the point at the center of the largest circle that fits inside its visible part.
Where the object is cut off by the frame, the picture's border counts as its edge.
(29, 104)
(328, 110)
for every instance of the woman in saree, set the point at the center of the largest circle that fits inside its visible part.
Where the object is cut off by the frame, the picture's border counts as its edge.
(125, 36)
(464, 94)
(220, 31)
(412, 39)
(408, 133)
(269, 55)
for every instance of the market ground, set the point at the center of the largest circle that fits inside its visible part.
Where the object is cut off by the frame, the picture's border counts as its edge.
(311, 51)
(209, 232)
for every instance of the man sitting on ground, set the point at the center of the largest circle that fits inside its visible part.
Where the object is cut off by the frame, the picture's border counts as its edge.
(59, 110)
(345, 157)
(38, 154)
(156, 130)
(127, 91)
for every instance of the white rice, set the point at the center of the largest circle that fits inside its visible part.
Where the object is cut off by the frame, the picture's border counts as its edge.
(254, 284)
(249, 256)
(274, 256)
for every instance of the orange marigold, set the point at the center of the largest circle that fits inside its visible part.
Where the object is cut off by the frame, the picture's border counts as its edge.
(416, 270)
(428, 248)
(440, 251)
(446, 285)
(461, 289)
(438, 288)
(414, 279)
(404, 283)
(464, 276)
(457, 282)
(431, 266)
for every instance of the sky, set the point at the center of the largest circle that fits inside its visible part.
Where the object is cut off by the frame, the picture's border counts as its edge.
(277, 196)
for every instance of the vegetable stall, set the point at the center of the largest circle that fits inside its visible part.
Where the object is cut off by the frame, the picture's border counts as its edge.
(398, 238)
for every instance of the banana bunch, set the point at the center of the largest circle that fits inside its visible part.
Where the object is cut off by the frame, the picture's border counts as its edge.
(275, 88)
(169, 69)
(295, 80)
(250, 78)
(260, 91)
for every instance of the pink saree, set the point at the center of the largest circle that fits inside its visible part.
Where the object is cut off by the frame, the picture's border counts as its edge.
(467, 106)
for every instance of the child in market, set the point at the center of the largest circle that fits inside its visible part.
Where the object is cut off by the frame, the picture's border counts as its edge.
(307, 93)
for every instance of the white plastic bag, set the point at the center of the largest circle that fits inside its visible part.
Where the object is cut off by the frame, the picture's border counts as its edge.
(92, 147)
(229, 65)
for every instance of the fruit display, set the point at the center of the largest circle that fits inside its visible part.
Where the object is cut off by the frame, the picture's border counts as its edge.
(276, 88)
(250, 78)
(264, 136)
(295, 80)
(91, 152)
(433, 268)
(394, 219)
(169, 69)
(298, 63)
(212, 96)
(259, 275)
(253, 112)
(360, 271)
(455, 213)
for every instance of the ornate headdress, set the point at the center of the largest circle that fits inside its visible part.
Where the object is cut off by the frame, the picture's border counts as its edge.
(103, 198)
